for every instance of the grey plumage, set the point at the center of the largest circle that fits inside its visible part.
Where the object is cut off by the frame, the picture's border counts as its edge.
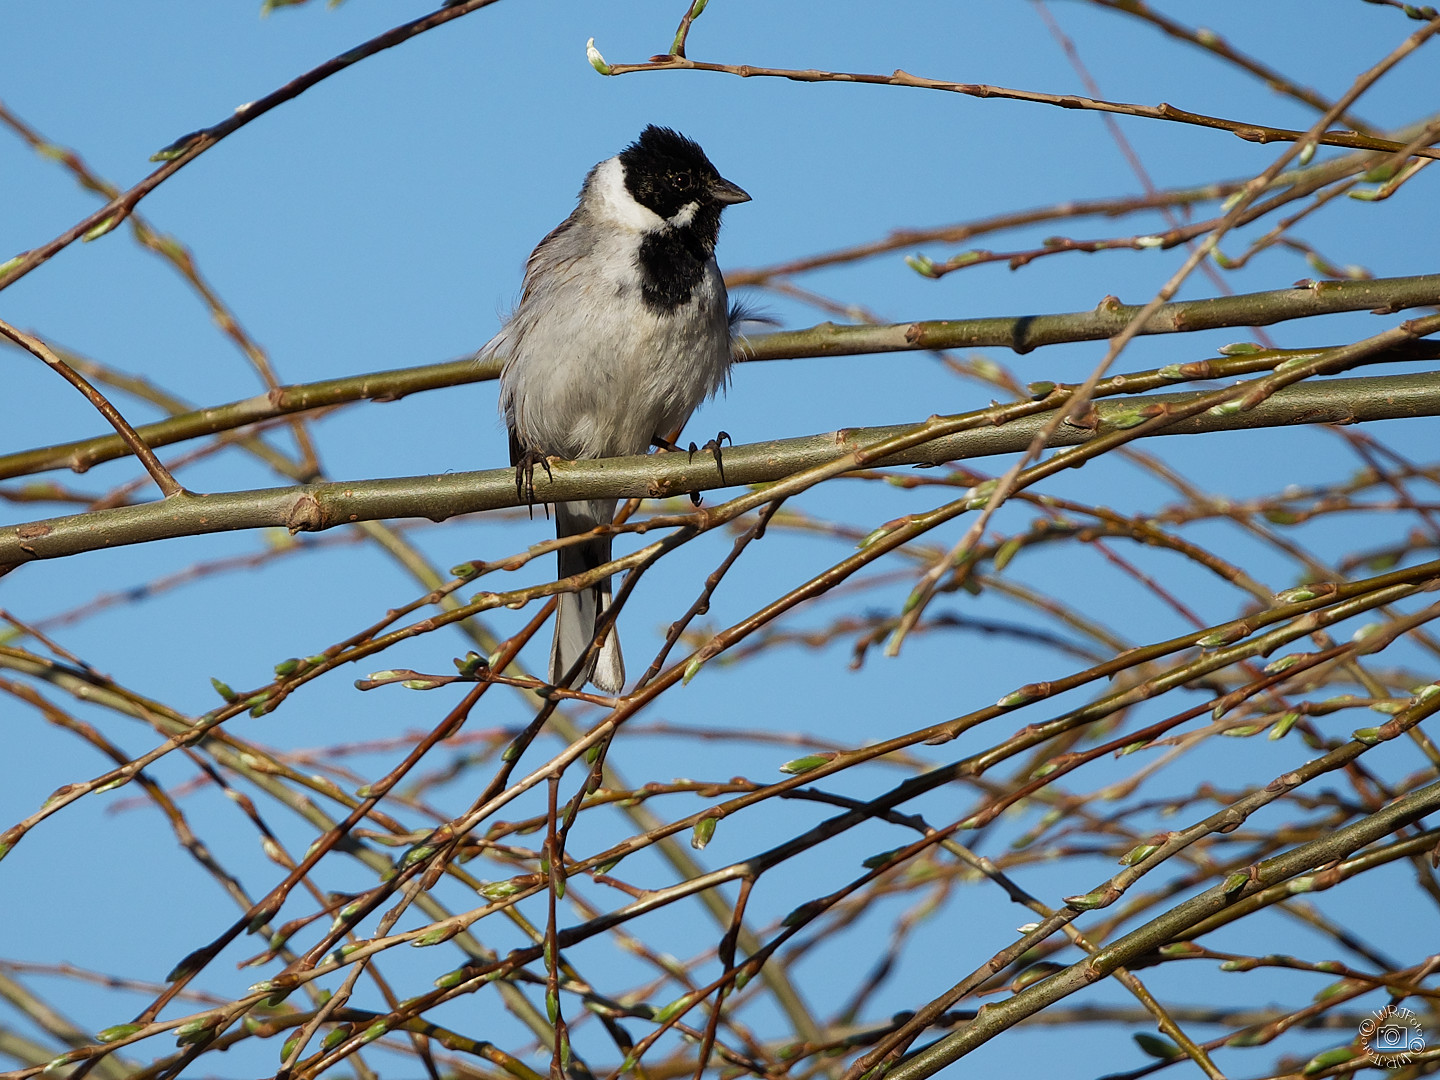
(622, 329)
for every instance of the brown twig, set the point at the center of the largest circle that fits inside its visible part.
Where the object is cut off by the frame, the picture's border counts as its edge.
(1250, 132)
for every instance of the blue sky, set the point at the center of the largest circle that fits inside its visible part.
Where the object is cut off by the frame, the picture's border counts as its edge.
(382, 220)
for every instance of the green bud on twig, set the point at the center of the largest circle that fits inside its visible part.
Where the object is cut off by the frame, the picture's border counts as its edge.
(1283, 725)
(101, 228)
(1181, 949)
(67, 1058)
(596, 60)
(1157, 1047)
(470, 664)
(1301, 593)
(1126, 419)
(674, 1009)
(1034, 974)
(1138, 854)
(692, 668)
(1007, 551)
(1321, 1062)
(172, 151)
(199, 1030)
(1091, 900)
(1023, 696)
(922, 265)
(1284, 663)
(188, 966)
(451, 979)
(1249, 1037)
(1224, 635)
(117, 1032)
(425, 684)
(436, 935)
(289, 1045)
(874, 862)
(499, 890)
(336, 1036)
(798, 765)
(702, 833)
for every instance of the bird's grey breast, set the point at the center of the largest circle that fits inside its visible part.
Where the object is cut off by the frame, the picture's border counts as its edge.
(594, 368)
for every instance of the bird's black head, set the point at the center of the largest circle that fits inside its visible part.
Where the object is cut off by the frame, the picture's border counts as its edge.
(668, 173)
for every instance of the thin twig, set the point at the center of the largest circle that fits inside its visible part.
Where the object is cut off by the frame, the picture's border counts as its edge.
(167, 484)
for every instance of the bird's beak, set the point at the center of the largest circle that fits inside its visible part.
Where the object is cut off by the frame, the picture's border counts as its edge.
(724, 192)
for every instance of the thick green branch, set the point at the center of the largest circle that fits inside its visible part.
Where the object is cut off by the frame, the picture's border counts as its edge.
(83, 454)
(312, 507)
(1022, 333)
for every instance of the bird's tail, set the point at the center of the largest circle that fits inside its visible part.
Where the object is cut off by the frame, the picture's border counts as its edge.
(577, 613)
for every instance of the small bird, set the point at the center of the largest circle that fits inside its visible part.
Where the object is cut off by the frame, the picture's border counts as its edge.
(622, 329)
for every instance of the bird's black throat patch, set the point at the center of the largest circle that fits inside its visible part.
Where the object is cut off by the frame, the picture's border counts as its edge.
(672, 264)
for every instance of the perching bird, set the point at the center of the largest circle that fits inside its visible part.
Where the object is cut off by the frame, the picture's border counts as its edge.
(622, 329)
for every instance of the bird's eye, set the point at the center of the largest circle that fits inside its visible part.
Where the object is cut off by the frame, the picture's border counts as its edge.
(680, 181)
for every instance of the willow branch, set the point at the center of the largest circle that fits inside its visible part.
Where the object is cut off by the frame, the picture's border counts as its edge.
(82, 454)
(1020, 333)
(314, 507)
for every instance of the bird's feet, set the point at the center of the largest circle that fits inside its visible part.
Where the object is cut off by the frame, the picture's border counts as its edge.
(525, 476)
(661, 443)
(714, 447)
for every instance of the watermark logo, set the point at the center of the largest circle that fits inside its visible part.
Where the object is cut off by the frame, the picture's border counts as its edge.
(1393, 1036)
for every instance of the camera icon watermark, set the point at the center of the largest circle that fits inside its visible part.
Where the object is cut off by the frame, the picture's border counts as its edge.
(1393, 1036)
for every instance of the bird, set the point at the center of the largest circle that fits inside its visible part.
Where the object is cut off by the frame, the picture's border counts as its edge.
(622, 329)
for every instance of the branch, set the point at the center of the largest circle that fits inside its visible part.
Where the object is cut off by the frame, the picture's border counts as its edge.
(82, 454)
(1021, 333)
(314, 507)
